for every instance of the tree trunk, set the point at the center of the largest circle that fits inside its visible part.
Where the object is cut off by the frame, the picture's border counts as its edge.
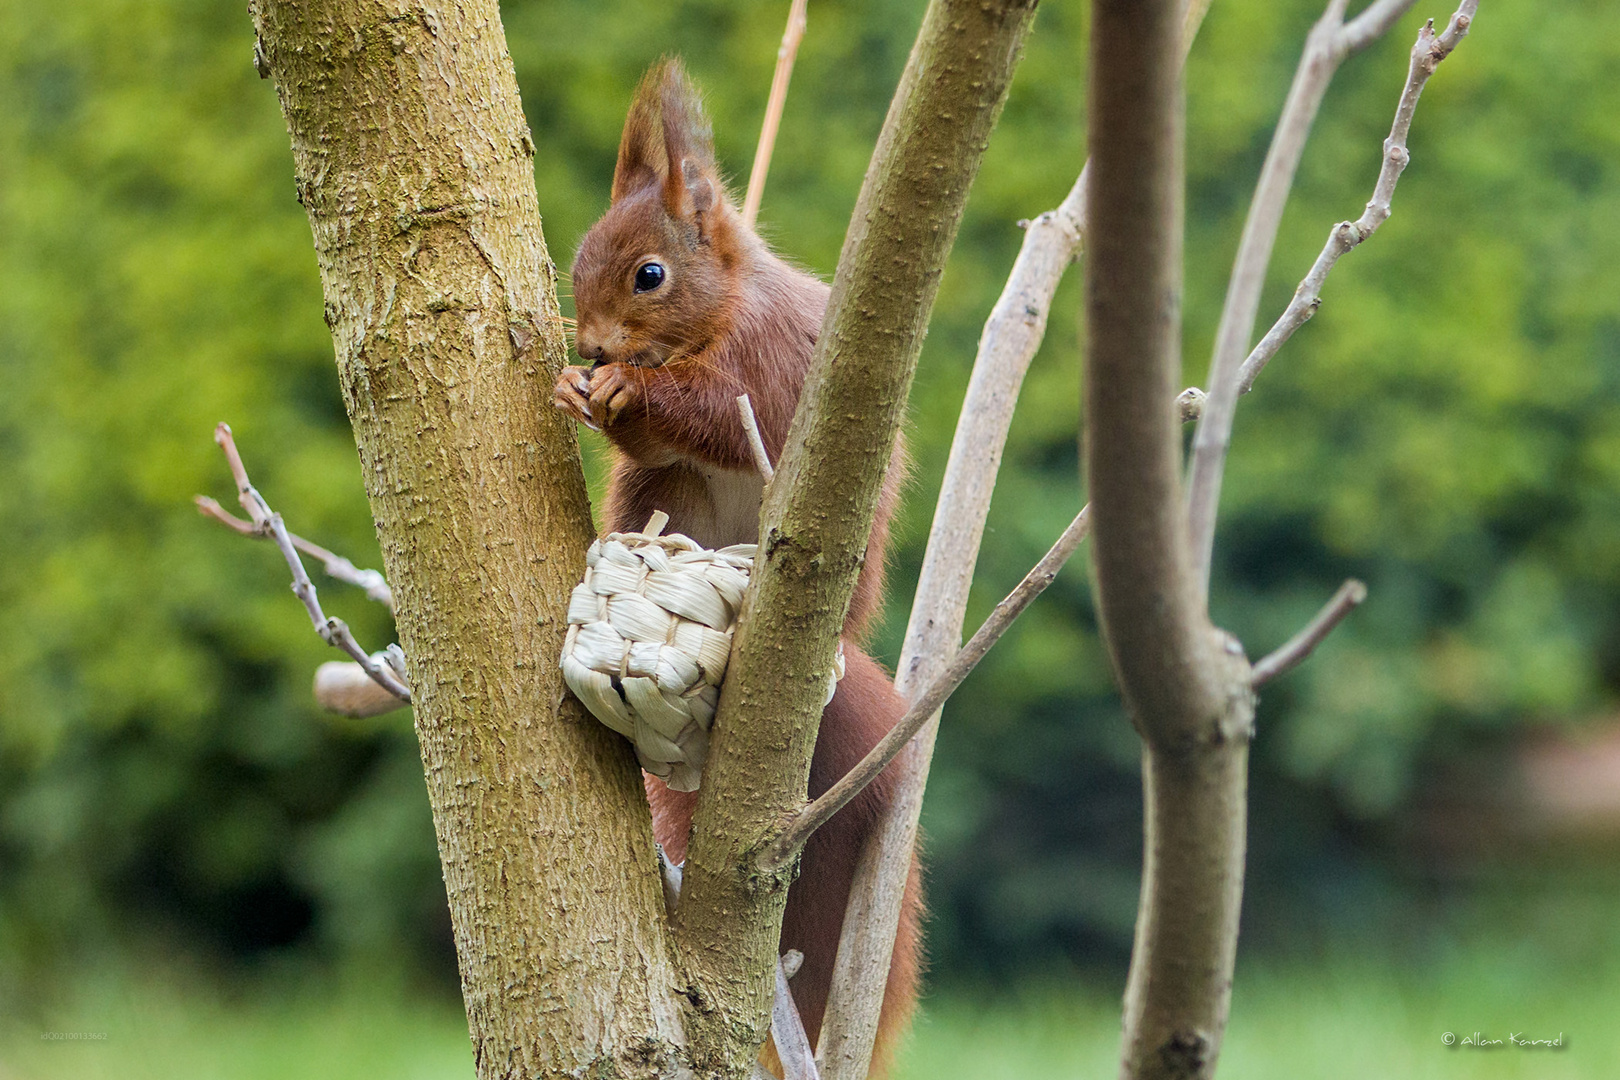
(1185, 684)
(818, 511)
(414, 163)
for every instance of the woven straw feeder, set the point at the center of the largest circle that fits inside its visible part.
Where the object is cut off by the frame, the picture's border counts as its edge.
(649, 636)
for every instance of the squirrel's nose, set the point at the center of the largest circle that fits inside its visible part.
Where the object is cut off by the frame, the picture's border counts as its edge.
(588, 341)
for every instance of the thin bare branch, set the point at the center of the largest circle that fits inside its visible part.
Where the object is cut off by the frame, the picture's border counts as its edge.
(1329, 42)
(333, 631)
(1375, 20)
(1294, 651)
(336, 566)
(1426, 56)
(787, 1028)
(785, 54)
(1191, 20)
(756, 442)
(925, 705)
(209, 507)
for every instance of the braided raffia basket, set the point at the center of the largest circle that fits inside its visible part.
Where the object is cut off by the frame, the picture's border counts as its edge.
(649, 636)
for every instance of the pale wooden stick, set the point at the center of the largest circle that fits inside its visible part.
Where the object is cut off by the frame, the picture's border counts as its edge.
(1293, 652)
(333, 631)
(756, 442)
(785, 55)
(1191, 20)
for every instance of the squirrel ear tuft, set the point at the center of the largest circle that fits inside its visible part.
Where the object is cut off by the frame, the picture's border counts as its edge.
(689, 171)
(665, 134)
(642, 160)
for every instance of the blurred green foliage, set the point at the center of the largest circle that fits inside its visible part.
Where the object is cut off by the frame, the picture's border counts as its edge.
(1447, 428)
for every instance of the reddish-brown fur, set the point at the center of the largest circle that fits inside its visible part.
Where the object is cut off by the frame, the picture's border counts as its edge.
(729, 318)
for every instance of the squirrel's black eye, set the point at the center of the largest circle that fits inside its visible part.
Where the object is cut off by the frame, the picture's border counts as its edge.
(649, 277)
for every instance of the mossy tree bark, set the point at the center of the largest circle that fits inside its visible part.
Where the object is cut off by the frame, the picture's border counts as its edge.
(415, 165)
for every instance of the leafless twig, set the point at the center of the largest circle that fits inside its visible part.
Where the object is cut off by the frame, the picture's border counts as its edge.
(336, 566)
(1191, 19)
(1293, 652)
(1426, 56)
(785, 54)
(927, 703)
(265, 521)
(756, 442)
(1330, 41)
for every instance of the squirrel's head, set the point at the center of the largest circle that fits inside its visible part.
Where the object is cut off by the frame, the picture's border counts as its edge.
(652, 278)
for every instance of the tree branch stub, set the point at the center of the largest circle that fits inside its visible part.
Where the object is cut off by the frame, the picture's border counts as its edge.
(792, 35)
(1296, 649)
(268, 524)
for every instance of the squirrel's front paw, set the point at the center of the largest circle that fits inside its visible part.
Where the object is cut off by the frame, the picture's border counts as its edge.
(573, 395)
(614, 388)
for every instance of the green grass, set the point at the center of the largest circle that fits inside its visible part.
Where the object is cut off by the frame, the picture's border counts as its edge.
(1377, 1012)
(1345, 1021)
(190, 1028)
(1540, 958)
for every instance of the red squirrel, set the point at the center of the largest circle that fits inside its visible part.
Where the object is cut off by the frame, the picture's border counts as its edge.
(681, 307)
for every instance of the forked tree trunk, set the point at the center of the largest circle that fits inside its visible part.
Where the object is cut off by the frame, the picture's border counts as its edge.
(1185, 683)
(415, 166)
